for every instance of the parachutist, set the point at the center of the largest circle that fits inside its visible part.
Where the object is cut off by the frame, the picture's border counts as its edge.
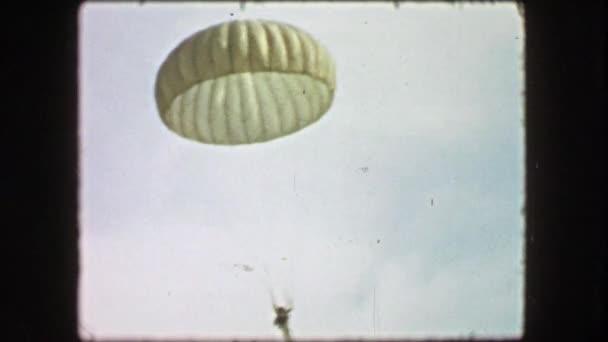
(282, 319)
(282, 316)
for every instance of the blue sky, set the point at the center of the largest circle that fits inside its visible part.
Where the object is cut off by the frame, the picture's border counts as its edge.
(336, 217)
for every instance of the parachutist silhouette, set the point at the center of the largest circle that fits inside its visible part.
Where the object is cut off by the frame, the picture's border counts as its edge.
(282, 315)
(282, 320)
(282, 312)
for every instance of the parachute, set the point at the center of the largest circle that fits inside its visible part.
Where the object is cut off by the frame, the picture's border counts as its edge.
(244, 81)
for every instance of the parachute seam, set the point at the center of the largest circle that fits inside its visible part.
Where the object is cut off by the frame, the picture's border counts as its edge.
(306, 60)
(242, 28)
(311, 108)
(192, 115)
(316, 100)
(299, 86)
(259, 111)
(279, 46)
(285, 46)
(293, 108)
(289, 46)
(217, 49)
(209, 110)
(180, 114)
(322, 98)
(265, 59)
(197, 132)
(170, 79)
(314, 64)
(248, 49)
(276, 104)
(176, 69)
(242, 109)
(238, 29)
(177, 122)
(270, 100)
(228, 52)
(180, 63)
(161, 95)
(270, 45)
(267, 36)
(212, 35)
(249, 45)
(320, 59)
(195, 41)
(207, 55)
(225, 111)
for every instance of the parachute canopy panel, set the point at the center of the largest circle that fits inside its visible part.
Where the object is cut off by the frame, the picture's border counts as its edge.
(243, 82)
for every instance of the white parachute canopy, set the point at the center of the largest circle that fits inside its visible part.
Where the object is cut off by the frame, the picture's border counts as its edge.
(242, 82)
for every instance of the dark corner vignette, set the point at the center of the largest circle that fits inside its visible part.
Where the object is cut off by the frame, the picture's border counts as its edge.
(565, 155)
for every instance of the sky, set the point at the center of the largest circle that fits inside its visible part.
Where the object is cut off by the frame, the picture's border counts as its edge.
(397, 214)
